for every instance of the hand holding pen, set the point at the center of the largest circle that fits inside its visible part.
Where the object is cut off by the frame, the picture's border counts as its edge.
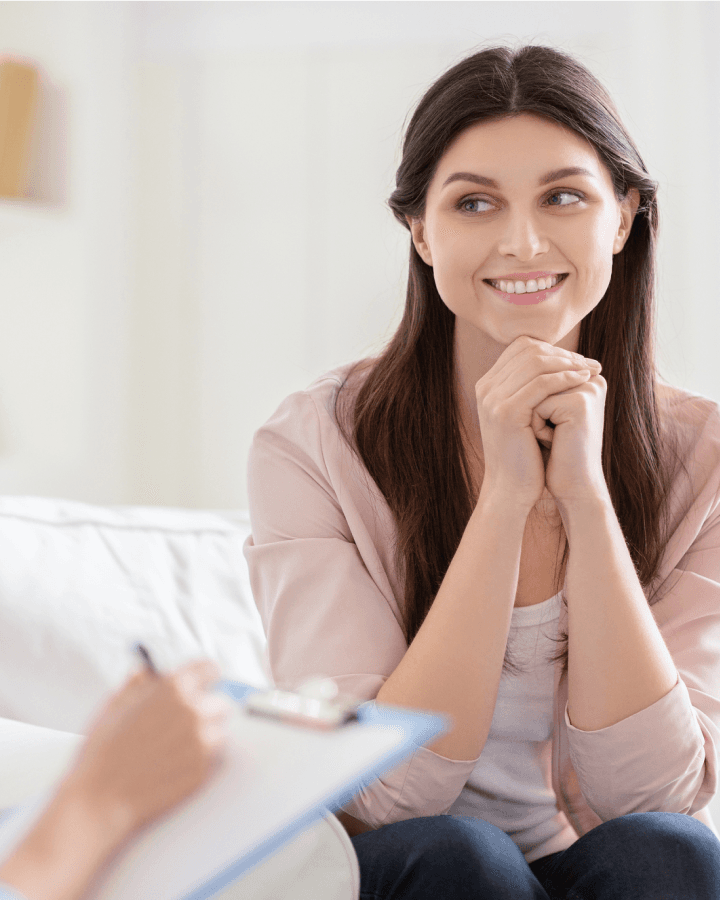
(156, 741)
(153, 744)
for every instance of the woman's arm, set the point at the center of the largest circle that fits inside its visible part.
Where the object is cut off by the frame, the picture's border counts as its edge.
(454, 664)
(70, 842)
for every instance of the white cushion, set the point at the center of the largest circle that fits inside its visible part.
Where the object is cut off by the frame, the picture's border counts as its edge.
(79, 584)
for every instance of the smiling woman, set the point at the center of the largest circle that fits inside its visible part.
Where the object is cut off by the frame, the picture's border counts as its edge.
(541, 127)
(415, 560)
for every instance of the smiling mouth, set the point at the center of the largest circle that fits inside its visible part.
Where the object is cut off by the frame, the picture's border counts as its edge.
(496, 285)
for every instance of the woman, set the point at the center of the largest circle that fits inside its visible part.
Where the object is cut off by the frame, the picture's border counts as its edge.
(408, 512)
(156, 742)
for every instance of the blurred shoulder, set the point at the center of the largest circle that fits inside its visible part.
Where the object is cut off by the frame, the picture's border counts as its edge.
(691, 421)
(345, 380)
(310, 411)
(695, 415)
(350, 375)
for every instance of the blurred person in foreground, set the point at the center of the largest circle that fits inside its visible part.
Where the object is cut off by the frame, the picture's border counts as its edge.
(157, 740)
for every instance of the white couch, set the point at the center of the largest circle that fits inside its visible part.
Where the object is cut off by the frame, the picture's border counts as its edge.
(79, 584)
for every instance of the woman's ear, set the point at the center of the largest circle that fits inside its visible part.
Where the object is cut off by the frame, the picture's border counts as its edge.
(628, 208)
(417, 229)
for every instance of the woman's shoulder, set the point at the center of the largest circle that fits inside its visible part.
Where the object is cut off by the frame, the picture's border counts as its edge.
(309, 416)
(344, 380)
(302, 435)
(695, 415)
(683, 399)
(349, 375)
(692, 425)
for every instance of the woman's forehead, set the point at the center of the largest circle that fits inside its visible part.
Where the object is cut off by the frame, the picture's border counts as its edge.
(521, 148)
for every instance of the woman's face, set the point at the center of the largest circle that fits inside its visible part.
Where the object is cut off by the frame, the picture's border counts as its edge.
(527, 222)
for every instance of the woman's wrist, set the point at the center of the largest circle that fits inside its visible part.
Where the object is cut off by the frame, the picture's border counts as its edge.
(112, 819)
(67, 846)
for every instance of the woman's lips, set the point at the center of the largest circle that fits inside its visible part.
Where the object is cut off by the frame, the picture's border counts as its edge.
(529, 299)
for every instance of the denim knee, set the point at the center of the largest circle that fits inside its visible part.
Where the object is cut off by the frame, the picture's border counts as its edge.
(461, 838)
(676, 833)
(442, 840)
(443, 856)
(640, 856)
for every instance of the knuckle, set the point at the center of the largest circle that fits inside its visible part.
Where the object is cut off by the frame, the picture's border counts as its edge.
(211, 739)
(499, 410)
(178, 677)
(207, 669)
(176, 690)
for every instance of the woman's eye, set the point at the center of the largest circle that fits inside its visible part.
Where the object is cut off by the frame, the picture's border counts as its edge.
(566, 194)
(462, 205)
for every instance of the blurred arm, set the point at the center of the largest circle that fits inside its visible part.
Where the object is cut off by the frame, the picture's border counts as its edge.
(65, 849)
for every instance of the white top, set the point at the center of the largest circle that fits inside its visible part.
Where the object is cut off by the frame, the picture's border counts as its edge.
(511, 785)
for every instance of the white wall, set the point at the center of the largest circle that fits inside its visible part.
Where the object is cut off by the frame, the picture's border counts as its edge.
(174, 286)
(64, 260)
(283, 141)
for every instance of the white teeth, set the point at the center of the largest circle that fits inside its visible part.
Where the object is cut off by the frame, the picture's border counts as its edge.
(529, 287)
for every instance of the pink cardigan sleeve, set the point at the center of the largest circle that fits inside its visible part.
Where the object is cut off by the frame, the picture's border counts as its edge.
(665, 757)
(324, 601)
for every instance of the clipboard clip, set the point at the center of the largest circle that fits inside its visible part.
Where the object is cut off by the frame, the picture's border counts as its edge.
(316, 704)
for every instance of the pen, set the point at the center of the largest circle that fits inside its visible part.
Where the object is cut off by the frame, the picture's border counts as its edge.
(149, 664)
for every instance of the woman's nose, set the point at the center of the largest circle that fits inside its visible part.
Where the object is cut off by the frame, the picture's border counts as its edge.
(522, 237)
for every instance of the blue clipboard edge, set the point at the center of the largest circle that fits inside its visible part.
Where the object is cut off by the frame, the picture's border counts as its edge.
(419, 728)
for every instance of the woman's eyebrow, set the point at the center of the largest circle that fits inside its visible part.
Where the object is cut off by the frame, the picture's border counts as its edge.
(555, 175)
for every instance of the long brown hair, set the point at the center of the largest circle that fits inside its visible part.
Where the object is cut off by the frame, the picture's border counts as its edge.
(406, 424)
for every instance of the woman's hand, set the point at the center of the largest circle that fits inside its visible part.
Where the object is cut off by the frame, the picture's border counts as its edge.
(574, 471)
(533, 381)
(154, 743)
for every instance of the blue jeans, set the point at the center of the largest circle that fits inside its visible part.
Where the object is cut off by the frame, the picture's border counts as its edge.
(640, 856)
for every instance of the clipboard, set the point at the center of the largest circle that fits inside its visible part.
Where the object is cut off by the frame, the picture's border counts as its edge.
(280, 774)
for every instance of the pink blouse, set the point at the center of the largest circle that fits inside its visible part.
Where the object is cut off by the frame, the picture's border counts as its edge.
(323, 579)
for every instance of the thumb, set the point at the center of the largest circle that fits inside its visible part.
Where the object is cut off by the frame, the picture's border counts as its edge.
(542, 430)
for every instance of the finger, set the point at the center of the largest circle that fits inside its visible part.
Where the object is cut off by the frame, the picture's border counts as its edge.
(198, 675)
(215, 705)
(204, 671)
(552, 359)
(519, 346)
(216, 736)
(543, 432)
(498, 370)
(200, 667)
(133, 686)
